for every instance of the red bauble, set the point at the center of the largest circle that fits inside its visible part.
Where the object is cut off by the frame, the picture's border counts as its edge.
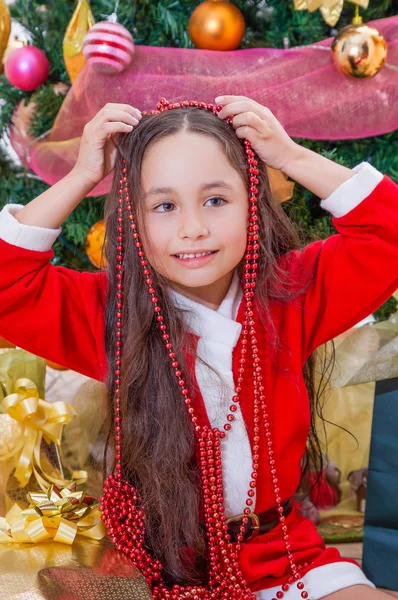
(109, 47)
(26, 68)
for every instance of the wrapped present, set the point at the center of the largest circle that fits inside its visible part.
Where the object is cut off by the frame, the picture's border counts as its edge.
(30, 431)
(14, 365)
(87, 570)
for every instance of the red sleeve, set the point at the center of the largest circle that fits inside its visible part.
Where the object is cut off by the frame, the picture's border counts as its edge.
(53, 312)
(353, 272)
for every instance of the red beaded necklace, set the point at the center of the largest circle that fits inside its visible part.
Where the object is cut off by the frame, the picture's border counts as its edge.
(122, 510)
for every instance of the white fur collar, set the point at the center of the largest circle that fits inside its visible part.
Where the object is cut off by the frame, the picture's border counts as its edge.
(214, 325)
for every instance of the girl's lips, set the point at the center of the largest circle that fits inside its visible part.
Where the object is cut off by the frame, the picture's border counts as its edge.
(195, 263)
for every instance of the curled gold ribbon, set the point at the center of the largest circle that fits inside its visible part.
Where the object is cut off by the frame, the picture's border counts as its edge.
(330, 9)
(38, 419)
(58, 515)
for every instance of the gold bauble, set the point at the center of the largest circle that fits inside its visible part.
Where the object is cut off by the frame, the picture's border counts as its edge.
(216, 25)
(5, 28)
(94, 243)
(359, 51)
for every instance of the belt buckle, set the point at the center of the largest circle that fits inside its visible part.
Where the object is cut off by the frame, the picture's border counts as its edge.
(255, 523)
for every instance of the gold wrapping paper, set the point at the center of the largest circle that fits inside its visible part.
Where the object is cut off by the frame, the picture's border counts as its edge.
(87, 570)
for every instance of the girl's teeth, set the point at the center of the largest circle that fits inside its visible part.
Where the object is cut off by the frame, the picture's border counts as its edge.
(193, 255)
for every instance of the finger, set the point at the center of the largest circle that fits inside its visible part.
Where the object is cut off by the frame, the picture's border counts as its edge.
(248, 133)
(124, 107)
(252, 120)
(111, 114)
(242, 106)
(234, 108)
(116, 127)
(228, 99)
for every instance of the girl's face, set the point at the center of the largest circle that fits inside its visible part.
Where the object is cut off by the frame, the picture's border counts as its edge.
(195, 202)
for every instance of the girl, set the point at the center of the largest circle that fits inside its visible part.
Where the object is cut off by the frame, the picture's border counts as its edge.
(204, 326)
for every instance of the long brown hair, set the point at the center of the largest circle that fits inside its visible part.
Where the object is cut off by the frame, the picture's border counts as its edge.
(158, 439)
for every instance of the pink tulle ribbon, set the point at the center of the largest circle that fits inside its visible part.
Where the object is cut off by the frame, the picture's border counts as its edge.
(301, 86)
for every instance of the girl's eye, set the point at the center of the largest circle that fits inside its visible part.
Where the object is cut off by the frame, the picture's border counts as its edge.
(167, 207)
(216, 201)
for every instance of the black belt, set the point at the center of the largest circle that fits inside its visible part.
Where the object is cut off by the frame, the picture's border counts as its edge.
(257, 523)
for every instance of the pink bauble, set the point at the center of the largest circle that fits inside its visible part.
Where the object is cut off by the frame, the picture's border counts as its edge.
(26, 68)
(109, 47)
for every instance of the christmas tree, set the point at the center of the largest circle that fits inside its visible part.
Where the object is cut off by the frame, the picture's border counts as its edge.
(269, 23)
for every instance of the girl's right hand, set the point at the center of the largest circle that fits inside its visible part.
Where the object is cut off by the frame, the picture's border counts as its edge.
(97, 152)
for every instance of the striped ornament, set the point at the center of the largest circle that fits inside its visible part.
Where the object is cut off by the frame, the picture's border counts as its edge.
(109, 47)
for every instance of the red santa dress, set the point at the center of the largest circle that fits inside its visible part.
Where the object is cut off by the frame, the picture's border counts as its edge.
(57, 313)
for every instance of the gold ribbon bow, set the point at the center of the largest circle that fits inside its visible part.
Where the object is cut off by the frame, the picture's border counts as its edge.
(38, 419)
(330, 9)
(59, 515)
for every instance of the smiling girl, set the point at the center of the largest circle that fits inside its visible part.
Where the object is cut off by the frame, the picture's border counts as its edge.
(204, 327)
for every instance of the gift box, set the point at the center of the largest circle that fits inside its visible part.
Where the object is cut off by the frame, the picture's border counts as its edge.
(87, 570)
(380, 550)
(17, 365)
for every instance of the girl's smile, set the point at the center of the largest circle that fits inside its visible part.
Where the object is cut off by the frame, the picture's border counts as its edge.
(197, 259)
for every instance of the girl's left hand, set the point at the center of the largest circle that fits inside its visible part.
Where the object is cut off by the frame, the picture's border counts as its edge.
(260, 127)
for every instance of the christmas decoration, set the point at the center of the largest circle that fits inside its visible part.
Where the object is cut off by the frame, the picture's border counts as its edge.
(94, 243)
(217, 25)
(37, 420)
(13, 45)
(20, 36)
(82, 20)
(109, 46)
(58, 514)
(359, 51)
(5, 28)
(27, 68)
(330, 9)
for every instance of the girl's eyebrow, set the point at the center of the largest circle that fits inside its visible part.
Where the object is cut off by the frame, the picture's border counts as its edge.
(206, 186)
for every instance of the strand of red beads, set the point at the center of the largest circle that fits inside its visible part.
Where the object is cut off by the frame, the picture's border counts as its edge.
(122, 510)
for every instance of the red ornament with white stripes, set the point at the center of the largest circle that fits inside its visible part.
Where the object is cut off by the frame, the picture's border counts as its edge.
(109, 47)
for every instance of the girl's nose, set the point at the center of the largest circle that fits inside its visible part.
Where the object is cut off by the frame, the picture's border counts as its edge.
(193, 227)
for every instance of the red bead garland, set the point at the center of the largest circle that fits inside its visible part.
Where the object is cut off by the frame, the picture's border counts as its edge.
(122, 509)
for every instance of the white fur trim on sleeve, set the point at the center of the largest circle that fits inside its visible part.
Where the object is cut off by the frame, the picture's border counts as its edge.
(352, 192)
(322, 581)
(18, 234)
